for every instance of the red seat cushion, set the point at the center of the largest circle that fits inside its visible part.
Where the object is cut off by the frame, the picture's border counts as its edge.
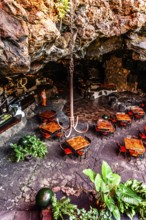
(59, 134)
(67, 151)
(123, 124)
(47, 135)
(130, 113)
(137, 116)
(143, 136)
(142, 105)
(123, 149)
(133, 153)
(80, 153)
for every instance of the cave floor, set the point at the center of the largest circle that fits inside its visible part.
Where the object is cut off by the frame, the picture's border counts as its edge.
(19, 182)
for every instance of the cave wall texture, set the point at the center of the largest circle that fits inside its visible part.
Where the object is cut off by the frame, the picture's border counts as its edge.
(30, 35)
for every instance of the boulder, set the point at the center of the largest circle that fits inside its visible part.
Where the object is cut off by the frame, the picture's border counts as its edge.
(32, 33)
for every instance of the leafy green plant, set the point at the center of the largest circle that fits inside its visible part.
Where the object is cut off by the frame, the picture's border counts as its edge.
(127, 200)
(29, 145)
(140, 189)
(92, 214)
(106, 185)
(114, 195)
(113, 198)
(137, 187)
(62, 7)
(64, 208)
(105, 214)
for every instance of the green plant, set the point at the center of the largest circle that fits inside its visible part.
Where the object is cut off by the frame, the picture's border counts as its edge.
(105, 185)
(115, 196)
(140, 189)
(105, 214)
(29, 145)
(81, 214)
(63, 208)
(137, 187)
(62, 7)
(128, 201)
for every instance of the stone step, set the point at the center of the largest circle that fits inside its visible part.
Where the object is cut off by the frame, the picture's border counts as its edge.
(20, 215)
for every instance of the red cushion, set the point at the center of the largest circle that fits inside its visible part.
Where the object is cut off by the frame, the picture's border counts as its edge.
(133, 153)
(130, 113)
(59, 134)
(47, 135)
(79, 152)
(123, 124)
(67, 151)
(143, 135)
(137, 116)
(123, 149)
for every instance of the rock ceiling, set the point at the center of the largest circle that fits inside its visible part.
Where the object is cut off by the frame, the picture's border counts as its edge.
(30, 34)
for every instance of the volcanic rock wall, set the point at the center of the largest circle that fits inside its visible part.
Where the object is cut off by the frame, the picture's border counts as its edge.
(30, 35)
(116, 74)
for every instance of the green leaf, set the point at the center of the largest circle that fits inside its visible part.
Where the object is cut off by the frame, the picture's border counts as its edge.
(121, 206)
(113, 181)
(90, 173)
(130, 213)
(106, 171)
(116, 213)
(104, 187)
(97, 182)
(112, 206)
(127, 195)
(130, 200)
(109, 202)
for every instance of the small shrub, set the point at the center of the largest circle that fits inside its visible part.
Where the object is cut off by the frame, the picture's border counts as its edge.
(29, 145)
(64, 208)
(116, 197)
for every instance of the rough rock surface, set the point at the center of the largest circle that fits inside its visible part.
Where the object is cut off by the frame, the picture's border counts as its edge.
(30, 35)
(116, 74)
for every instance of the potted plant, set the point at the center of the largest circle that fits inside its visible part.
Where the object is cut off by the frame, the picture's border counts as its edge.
(28, 147)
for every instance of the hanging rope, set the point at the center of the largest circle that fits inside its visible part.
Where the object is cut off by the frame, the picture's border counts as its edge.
(72, 123)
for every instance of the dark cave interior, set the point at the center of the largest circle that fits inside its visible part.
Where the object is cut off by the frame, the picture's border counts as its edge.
(89, 75)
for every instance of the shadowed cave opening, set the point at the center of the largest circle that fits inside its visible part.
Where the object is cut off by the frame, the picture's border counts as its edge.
(116, 72)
